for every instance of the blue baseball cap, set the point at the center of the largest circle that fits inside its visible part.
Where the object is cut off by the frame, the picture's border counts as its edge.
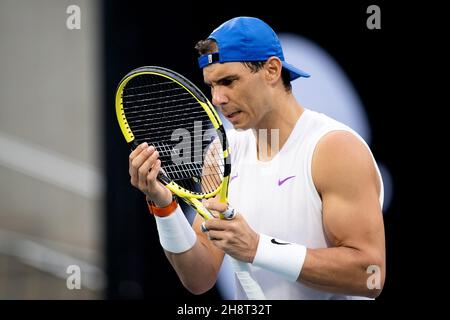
(244, 39)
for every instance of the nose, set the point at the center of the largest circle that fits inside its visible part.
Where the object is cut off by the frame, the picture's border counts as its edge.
(219, 98)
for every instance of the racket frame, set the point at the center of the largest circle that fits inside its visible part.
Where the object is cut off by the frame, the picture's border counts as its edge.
(192, 198)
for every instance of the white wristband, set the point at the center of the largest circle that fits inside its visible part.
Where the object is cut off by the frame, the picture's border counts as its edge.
(175, 233)
(281, 257)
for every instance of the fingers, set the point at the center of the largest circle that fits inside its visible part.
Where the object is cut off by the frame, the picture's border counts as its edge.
(135, 153)
(153, 174)
(133, 163)
(138, 150)
(146, 165)
(215, 235)
(137, 159)
(215, 204)
(216, 224)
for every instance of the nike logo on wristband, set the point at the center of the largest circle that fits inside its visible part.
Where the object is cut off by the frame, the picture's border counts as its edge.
(280, 243)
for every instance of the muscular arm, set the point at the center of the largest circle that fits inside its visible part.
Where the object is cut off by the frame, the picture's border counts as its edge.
(347, 181)
(198, 267)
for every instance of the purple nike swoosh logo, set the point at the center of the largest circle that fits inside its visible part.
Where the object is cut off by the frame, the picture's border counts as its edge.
(234, 177)
(280, 182)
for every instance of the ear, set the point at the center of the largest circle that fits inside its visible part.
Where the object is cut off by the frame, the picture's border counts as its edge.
(273, 68)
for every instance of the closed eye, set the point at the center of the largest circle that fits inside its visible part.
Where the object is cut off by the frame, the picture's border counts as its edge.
(226, 82)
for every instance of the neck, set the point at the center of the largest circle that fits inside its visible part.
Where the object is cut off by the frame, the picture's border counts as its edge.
(274, 129)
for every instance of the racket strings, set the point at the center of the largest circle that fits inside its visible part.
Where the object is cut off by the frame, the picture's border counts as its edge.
(160, 111)
(156, 110)
(208, 173)
(181, 90)
(177, 134)
(192, 169)
(147, 86)
(161, 103)
(143, 121)
(184, 139)
(136, 114)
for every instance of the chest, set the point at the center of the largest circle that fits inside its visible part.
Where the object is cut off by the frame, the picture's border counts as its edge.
(275, 197)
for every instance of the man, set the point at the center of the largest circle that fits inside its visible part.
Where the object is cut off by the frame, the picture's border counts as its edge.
(306, 188)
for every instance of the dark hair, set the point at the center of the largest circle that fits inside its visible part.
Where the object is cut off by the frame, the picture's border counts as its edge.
(210, 46)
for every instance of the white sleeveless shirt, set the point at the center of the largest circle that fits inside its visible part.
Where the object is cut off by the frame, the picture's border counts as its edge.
(278, 197)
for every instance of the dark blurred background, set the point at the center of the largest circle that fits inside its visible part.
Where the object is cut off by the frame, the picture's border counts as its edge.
(76, 205)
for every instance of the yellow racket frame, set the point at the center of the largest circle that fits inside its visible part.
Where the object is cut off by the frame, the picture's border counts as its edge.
(191, 197)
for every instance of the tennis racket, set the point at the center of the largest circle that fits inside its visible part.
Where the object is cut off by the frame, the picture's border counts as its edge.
(159, 106)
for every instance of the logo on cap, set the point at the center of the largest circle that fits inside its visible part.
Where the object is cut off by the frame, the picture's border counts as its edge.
(243, 39)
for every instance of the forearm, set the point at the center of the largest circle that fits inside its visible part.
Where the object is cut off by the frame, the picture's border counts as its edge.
(187, 250)
(195, 267)
(341, 270)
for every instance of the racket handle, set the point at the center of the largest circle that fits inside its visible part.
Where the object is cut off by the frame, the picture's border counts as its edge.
(229, 214)
(200, 208)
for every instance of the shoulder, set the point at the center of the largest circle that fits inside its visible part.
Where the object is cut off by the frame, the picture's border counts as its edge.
(342, 160)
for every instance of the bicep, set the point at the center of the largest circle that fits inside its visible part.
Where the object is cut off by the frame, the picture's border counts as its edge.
(348, 182)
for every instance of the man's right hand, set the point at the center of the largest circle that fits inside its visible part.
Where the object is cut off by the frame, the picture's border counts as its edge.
(144, 166)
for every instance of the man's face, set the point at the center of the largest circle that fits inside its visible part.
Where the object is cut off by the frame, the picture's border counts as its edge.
(237, 92)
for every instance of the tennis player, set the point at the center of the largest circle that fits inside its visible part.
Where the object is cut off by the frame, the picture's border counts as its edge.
(306, 187)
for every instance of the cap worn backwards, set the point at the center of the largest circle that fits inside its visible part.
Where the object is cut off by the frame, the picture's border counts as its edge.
(245, 39)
